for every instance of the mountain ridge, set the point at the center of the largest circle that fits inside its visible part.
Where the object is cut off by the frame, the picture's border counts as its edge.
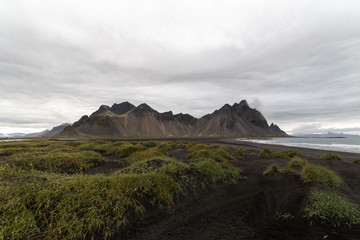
(126, 120)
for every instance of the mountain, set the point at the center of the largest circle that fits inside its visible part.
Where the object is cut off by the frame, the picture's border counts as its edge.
(126, 120)
(49, 133)
(15, 135)
(275, 128)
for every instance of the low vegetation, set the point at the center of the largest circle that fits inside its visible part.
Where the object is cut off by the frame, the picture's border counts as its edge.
(239, 151)
(39, 201)
(271, 170)
(357, 161)
(218, 154)
(286, 154)
(283, 217)
(321, 175)
(266, 153)
(332, 209)
(297, 162)
(332, 156)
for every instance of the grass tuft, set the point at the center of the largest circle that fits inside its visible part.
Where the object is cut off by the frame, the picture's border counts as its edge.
(219, 154)
(357, 161)
(332, 156)
(239, 151)
(197, 147)
(273, 169)
(297, 162)
(266, 153)
(145, 155)
(218, 172)
(321, 175)
(330, 208)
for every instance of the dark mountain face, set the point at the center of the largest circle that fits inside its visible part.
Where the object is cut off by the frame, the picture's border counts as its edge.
(125, 120)
(250, 114)
(121, 108)
(277, 130)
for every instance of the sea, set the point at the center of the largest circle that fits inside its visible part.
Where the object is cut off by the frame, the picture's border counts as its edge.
(333, 144)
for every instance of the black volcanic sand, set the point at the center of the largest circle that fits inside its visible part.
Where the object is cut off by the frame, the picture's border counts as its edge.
(246, 210)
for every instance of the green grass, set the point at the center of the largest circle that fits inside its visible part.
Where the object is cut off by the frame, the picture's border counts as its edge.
(297, 162)
(165, 147)
(332, 156)
(197, 147)
(287, 169)
(357, 161)
(218, 172)
(57, 161)
(126, 150)
(161, 165)
(150, 144)
(219, 154)
(321, 175)
(146, 154)
(239, 151)
(266, 153)
(283, 217)
(332, 209)
(49, 205)
(271, 170)
(10, 151)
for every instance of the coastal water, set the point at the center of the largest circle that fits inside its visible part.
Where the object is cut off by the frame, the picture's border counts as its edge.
(12, 140)
(332, 144)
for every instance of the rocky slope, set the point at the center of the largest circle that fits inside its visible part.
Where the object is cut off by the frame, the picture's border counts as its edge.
(49, 133)
(126, 120)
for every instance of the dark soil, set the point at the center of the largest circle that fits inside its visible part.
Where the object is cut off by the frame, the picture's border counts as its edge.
(247, 210)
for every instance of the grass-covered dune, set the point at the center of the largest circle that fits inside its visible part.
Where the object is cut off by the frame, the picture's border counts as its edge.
(175, 189)
(44, 193)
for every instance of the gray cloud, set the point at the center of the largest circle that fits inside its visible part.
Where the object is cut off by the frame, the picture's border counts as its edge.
(296, 62)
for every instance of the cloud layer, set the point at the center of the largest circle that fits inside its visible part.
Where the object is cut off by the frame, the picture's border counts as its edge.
(296, 61)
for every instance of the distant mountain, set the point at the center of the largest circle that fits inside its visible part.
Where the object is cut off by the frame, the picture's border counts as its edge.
(329, 135)
(14, 135)
(49, 133)
(126, 120)
(2, 135)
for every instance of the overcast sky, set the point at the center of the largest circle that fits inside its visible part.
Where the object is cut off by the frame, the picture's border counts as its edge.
(298, 62)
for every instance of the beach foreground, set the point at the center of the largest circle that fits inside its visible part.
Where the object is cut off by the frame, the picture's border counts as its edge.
(207, 188)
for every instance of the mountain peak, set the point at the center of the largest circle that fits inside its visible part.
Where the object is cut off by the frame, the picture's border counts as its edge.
(101, 110)
(275, 128)
(145, 107)
(122, 108)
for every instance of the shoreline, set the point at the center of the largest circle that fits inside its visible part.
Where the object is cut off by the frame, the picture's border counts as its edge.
(312, 152)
